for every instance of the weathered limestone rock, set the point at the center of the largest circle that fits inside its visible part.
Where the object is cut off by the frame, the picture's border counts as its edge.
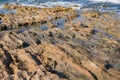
(64, 47)
(25, 15)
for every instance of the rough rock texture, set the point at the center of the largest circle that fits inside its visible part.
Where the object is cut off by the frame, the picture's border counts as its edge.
(78, 47)
(31, 15)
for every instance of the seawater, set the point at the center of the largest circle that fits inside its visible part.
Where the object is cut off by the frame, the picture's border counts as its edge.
(103, 5)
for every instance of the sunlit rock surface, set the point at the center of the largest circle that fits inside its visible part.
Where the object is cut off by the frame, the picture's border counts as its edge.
(59, 44)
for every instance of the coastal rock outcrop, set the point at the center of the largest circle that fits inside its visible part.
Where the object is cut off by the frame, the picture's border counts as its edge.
(66, 45)
(25, 15)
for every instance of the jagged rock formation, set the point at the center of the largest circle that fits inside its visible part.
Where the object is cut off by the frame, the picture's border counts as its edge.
(31, 15)
(76, 47)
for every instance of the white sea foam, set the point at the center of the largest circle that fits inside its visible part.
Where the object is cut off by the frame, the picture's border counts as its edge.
(73, 5)
(64, 4)
(112, 1)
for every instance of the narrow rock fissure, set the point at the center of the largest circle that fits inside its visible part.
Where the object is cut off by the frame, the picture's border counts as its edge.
(94, 76)
(7, 62)
(36, 59)
(60, 74)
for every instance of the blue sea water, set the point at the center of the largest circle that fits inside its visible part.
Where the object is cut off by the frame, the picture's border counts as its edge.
(104, 5)
(40, 1)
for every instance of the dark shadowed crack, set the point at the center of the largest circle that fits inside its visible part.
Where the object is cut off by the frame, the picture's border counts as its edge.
(35, 59)
(60, 74)
(94, 76)
(25, 44)
(7, 62)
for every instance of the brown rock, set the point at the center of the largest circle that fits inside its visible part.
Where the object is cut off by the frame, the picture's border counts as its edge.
(87, 49)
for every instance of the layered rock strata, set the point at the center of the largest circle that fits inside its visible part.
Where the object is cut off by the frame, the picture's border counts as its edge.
(77, 47)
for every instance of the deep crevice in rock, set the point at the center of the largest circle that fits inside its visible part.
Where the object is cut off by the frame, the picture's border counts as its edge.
(94, 76)
(7, 62)
(36, 59)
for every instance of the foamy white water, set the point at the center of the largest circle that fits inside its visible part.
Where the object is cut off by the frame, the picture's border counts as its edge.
(112, 1)
(75, 4)
(64, 4)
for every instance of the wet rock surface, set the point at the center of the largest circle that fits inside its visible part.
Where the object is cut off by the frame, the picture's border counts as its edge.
(66, 45)
(25, 15)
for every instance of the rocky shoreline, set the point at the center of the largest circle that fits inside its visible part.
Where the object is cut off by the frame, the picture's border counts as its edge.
(59, 44)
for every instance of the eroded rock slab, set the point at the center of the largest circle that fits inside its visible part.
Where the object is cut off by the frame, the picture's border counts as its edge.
(86, 47)
(25, 15)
